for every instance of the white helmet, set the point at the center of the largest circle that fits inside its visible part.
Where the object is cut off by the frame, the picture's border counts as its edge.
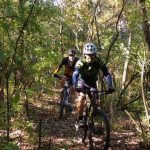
(89, 48)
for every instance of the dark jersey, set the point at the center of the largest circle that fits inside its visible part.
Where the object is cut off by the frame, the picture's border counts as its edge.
(69, 66)
(89, 71)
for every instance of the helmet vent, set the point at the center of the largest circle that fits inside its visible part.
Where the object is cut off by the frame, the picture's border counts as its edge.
(89, 48)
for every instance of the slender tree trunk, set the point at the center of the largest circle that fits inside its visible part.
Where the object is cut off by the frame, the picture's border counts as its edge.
(143, 93)
(146, 30)
(127, 51)
(61, 30)
(8, 108)
(145, 103)
(26, 104)
(97, 33)
(2, 80)
(2, 73)
(76, 40)
(146, 25)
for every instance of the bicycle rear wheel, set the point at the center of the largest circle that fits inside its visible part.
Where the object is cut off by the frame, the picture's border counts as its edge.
(63, 98)
(99, 134)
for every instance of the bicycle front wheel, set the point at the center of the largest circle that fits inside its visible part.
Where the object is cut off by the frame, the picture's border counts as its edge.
(63, 98)
(99, 135)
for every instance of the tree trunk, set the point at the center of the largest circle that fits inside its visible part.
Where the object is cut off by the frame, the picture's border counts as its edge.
(127, 52)
(146, 25)
(8, 107)
(143, 94)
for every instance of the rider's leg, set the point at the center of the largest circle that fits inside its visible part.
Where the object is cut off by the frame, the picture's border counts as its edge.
(62, 82)
(72, 94)
(80, 104)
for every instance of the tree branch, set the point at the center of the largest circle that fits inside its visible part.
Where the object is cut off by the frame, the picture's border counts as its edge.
(146, 25)
(21, 32)
(114, 38)
(134, 76)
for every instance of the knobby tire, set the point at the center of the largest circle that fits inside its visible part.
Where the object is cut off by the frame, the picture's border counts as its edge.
(63, 97)
(101, 122)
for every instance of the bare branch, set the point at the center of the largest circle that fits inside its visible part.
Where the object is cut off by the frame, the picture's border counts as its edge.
(21, 32)
(114, 37)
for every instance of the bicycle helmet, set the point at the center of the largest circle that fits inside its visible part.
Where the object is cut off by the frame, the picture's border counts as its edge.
(71, 52)
(89, 48)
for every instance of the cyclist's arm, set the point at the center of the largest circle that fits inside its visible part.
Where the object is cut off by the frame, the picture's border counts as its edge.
(75, 76)
(76, 72)
(108, 79)
(60, 66)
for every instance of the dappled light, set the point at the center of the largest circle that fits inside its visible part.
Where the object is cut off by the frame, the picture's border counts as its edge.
(106, 43)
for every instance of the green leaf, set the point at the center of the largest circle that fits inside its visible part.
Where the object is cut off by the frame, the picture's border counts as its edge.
(2, 55)
(5, 26)
(29, 91)
(15, 100)
(11, 146)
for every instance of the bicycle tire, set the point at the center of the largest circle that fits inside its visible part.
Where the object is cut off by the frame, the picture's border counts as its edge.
(63, 97)
(82, 132)
(99, 131)
(82, 135)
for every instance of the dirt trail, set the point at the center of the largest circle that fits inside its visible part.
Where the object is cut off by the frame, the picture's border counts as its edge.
(60, 134)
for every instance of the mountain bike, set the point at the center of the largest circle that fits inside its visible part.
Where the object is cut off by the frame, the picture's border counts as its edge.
(96, 123)
(64, 103)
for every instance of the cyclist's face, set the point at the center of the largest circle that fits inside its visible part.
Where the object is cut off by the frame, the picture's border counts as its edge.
(71, 57)
(89, 57)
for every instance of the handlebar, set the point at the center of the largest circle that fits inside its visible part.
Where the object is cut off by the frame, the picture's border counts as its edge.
(91, 89)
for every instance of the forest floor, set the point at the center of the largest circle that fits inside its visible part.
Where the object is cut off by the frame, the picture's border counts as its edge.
(60, 134)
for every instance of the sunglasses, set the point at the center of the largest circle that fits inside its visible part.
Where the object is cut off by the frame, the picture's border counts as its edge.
(91, 55)
(71, 55)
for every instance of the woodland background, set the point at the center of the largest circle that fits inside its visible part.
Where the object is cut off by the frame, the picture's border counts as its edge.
(35, 34)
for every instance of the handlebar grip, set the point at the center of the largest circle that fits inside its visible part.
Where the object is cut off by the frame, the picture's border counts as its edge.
(56, 76)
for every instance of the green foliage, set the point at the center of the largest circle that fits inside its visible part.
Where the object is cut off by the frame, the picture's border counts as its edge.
(31, 60)
(2, 56)
(11, 146)
(2, 115)
(15, 100)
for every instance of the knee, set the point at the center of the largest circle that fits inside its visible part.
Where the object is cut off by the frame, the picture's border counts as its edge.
(81, 99)
(62, 82)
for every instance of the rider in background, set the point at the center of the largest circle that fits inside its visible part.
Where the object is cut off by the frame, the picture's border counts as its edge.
(68, 63)
(87, 69)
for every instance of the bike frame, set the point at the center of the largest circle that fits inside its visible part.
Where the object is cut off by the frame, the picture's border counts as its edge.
(65, 93)
(67, 89)
(90, 111)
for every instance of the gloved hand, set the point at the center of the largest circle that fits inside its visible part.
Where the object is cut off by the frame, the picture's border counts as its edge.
(111, 90)
(56, 75)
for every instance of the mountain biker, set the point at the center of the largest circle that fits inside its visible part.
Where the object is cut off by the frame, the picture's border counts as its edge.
(87, 69)
(68, 63)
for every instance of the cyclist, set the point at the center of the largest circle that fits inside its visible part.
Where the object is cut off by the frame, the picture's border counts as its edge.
(87, 69)
(69, 64)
